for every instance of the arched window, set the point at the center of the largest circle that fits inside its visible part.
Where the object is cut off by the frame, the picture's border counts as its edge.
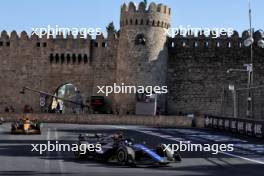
(141, 22)
(153, 23)
(68, 58)
(73, 58)
(140, 39)
(51, 57)
(57, 58)
(147, 22)
(62, 58)
(85, 58)
(79, 58)
(68, 93)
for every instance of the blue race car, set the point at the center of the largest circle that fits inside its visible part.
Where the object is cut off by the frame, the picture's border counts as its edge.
(116, 148)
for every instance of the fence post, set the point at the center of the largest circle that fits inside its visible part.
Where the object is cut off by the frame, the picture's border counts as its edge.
(235, 110)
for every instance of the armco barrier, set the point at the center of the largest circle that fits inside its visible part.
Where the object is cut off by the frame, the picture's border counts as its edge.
(158, 121)
(247, 127)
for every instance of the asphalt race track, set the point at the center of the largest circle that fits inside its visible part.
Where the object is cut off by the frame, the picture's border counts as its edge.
(16, 157)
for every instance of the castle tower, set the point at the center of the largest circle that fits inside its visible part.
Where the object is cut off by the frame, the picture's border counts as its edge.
(142, 51)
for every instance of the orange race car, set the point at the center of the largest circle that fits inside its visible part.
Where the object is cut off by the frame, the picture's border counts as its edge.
(26, 126)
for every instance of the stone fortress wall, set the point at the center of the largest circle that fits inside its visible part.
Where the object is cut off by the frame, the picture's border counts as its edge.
(45, 64)
(193, 67)
(197, 74)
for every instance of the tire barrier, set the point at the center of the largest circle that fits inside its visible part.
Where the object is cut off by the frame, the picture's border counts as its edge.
(247, 127)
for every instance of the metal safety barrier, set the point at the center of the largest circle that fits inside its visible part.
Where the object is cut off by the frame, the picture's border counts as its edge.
(247, 127)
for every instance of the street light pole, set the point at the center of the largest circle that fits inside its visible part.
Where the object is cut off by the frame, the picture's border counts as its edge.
(234, 93)
(249, 99)
(235, 103)
(250, 69)
(249, 42)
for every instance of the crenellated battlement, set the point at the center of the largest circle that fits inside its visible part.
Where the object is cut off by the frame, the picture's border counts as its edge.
(60, 49)
(157, 15)
(24, 35)
(211, 41)
(60, 39)
(141, 8)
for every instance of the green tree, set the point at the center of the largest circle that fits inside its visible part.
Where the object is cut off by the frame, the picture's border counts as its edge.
(111, 27)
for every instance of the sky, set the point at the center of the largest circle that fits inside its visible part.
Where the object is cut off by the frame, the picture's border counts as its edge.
(22, 15)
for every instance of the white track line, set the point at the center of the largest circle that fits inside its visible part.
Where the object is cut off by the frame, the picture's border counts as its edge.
(241, 157)
(47, 159)
(175, 139)
(61, 165)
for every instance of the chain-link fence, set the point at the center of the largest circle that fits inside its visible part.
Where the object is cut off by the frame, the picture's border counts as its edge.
(235, 103)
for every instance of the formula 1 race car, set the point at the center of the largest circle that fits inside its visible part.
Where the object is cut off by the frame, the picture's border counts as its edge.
(116, 148)
(26, 126)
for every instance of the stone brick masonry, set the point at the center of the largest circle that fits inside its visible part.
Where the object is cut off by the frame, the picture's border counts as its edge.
(193, 67)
